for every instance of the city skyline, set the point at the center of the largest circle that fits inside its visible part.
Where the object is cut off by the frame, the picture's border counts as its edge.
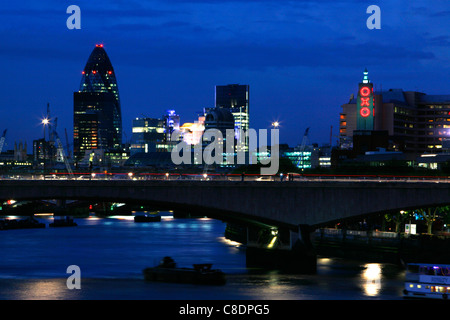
(302, 60)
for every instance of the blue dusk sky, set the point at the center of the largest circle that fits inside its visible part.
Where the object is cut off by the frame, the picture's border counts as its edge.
(302, 59)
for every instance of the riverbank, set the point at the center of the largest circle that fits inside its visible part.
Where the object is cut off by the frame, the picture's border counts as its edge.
(388, 247)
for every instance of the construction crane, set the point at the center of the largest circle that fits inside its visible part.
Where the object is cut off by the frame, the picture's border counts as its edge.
(303, 146)
(2, 140)
(67, 144)
(60, 154)
(304, 140)
(50, 127)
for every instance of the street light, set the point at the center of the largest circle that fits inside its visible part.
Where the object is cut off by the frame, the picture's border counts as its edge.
(275, 124)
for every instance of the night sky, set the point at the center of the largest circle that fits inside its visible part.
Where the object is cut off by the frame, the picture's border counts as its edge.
(302, 59)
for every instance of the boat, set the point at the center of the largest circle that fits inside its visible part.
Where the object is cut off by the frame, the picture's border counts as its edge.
(67, 222)
(425, 280)
(167, 271)
(147, 218)
(28, 223)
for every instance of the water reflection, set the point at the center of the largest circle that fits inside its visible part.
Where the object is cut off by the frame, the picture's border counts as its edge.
(324, 261)
(40, 289)
(371, 277)
(229, 242)
(128, 218)
(272, 285)
(112, 253)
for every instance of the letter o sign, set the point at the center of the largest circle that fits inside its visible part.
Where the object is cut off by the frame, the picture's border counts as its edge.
(364, 112)
(365, 91)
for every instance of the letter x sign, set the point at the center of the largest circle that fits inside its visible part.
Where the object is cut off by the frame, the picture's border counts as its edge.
(365, 102)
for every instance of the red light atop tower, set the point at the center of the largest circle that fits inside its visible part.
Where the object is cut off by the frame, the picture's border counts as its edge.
(94, 72)
(109, 72)
(99, 45)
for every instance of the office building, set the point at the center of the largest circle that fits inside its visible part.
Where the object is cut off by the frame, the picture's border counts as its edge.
(172, 123)
(149, 135)
(235, 97)
(97, 110)
(220, 119)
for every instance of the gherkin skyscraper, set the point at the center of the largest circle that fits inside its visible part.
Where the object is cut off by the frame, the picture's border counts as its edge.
(97, 112)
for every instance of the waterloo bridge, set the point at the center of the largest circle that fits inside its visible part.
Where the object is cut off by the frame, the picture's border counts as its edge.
(290, 210)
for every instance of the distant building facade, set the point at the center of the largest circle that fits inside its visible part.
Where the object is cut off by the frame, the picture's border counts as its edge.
(149, 135)
(220, 119)
(235, 97)
(171, 123)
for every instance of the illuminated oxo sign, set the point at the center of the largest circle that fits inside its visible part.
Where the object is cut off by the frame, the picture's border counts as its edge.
(365, 91)
(365, 107)
(364, 112)
(365, 101)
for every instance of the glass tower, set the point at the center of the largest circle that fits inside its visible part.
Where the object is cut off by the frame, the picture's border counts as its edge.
(97, 112)
(235, 97)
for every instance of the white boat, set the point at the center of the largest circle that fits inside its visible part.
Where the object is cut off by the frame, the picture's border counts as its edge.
(425, 280)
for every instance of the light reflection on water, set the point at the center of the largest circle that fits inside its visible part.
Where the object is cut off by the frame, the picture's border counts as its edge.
(112, 252)
(43, 289)
(372, 279)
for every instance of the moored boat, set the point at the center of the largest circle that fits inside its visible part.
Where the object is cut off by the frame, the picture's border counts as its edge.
(67, 222)
(424, 280)
(28, 223)
(147, 218)
(167, 271)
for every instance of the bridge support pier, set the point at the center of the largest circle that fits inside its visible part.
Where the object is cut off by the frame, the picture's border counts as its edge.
(61, 217)
(60, 209)
(297, 257)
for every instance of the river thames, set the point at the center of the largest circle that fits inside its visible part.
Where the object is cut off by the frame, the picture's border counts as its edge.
(112, 252)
